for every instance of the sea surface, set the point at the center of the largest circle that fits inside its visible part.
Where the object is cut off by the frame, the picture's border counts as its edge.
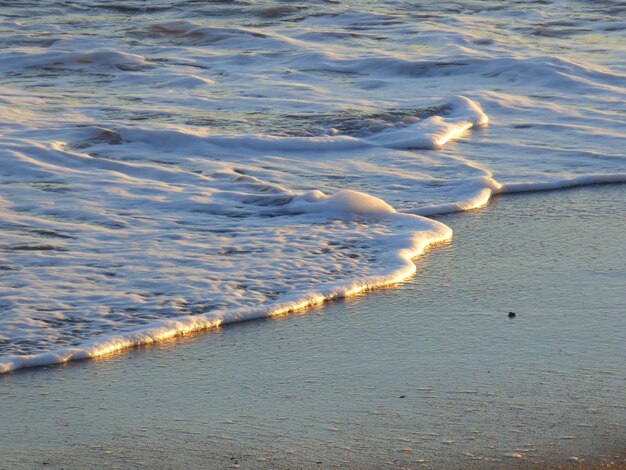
(169, 166)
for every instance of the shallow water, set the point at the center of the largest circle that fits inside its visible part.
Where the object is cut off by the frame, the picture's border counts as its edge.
(432, 374)
(174, 166)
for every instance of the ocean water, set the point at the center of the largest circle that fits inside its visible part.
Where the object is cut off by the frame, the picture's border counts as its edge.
(170, 166)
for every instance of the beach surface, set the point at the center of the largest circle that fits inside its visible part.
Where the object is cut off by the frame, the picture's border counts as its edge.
(432, 373)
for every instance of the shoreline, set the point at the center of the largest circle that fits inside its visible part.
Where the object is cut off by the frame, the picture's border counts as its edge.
(341, 385)
(177, 328)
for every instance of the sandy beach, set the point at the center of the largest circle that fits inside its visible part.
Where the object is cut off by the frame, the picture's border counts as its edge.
(430, 374)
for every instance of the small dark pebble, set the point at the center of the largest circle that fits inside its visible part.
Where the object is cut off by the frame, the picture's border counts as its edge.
(402, 396)
(512, 314)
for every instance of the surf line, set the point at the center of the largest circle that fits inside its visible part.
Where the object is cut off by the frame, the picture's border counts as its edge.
(486, 187)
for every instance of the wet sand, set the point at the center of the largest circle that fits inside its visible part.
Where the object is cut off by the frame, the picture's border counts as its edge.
(430, 374)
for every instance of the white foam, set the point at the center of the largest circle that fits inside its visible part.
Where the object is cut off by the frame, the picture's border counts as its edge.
(476, 194)
(436, 131)
(563, 183)
(401, 248)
